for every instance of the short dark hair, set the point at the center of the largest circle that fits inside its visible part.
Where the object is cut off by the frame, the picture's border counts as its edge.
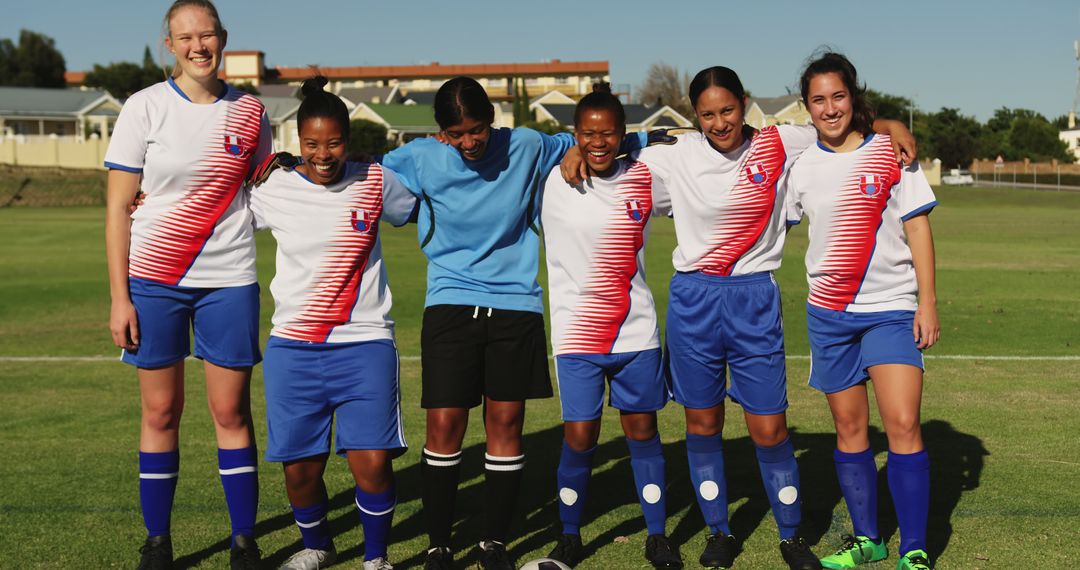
(862, 114)
(601, 98)
(319, 103)
(716, 76)
(459, 98)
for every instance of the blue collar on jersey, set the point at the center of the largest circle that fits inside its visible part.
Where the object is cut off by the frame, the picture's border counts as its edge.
(224, 90)
(868, 138)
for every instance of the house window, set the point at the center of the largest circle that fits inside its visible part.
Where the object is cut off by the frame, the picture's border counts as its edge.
(562, 80)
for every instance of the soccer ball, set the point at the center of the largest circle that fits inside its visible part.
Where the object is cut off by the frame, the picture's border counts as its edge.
(545, 564)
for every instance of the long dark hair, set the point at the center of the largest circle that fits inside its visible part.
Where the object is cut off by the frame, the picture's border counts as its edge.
(601, 98)
(319, 103)
(716, 76)
(862, 114)
(459, 98)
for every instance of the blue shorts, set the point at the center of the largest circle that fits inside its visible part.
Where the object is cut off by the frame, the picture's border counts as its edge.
(637, 383)
(308, 384)
(715, 322)
(225, 319)
(844, 345)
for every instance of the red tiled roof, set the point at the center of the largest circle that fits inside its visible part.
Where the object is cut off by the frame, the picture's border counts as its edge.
(555, 67)
(74, 77)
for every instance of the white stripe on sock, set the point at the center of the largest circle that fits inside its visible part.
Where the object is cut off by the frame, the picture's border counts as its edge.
(504, 465)
(238, 470)
(497, 467)
(376, 514)
(437, 463)
(310, 525)
(159, 475)
(491, 457)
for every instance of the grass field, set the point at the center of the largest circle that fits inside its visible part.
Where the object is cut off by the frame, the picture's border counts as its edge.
(999, 413)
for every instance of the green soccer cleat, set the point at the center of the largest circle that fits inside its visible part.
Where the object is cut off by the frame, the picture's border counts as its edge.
(914, 560)
(856, 550)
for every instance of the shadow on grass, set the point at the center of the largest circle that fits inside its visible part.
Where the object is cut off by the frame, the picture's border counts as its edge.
(956, 465)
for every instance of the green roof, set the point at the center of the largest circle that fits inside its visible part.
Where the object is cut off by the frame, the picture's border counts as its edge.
(400, 117)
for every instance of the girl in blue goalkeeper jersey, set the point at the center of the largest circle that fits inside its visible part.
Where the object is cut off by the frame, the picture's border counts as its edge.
(483, 335)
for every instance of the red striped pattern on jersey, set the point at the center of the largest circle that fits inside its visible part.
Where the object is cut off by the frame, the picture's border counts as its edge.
(335, 283)
(750, 206)
(605, 298)
(177, 238)
(851, 237)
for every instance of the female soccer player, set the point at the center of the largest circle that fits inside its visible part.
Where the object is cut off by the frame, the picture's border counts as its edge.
(603, 322)
(187, 258)
(482, 339)
(724, 306)
(331, 352)
(872, 304)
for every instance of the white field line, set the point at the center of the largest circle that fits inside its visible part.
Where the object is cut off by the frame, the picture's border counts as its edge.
(413, 358)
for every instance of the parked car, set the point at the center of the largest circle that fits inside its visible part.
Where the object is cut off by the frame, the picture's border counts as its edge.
(957, 177)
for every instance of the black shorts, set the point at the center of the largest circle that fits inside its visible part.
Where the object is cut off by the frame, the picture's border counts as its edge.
(471, 352)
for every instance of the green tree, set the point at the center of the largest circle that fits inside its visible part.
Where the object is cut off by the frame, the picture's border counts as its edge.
(1037, 139)
(521, 104)
(123, 79)
(367, 137)
(888, 106)
(34, 62)
(954, 137)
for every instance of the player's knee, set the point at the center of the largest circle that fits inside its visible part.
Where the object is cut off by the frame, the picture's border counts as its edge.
(161, 416)
(229, 417)
(770, 435)
(850, 427)
(903, 428)
(704, 424)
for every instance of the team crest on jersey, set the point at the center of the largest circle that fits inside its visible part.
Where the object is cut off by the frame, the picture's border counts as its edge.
(757, 174)
(361, 220)
(634, 210)
(234, 145)
(870, 184)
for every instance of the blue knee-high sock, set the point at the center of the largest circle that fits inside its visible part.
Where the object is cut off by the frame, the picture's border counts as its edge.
(376, 517)
(572, 477)
(780, 474)
(909, 483)
(157, 487)
(857, 474)
(705, 454)
(647, 462)
(313, 525)
(239, 469)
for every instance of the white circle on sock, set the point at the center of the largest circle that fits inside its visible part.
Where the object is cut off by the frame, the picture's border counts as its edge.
(709, 490)
(651, 493)
(568, 496)
(788, 494)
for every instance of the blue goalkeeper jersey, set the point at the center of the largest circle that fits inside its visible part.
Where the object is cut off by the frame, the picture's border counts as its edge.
(477, 221)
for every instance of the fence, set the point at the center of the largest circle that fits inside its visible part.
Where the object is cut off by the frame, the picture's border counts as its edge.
(54, 151)
(1035, 176)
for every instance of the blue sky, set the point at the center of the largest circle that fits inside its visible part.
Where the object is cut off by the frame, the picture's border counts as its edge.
(977, 56)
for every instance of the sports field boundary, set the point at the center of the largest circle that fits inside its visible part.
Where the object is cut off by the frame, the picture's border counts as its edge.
(415, 358)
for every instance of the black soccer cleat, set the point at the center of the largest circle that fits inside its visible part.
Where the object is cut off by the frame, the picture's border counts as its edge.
(720, 550)
(661, 553)
(439, 558)
(493, 556)
(244, 554)
(798, 555)
(156, 554)
(568, 550)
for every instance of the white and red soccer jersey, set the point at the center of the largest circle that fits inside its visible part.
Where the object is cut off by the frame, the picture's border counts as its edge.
(728, 208)
(594, 239)
(194, 228)
(858, 259)
(330, 283)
